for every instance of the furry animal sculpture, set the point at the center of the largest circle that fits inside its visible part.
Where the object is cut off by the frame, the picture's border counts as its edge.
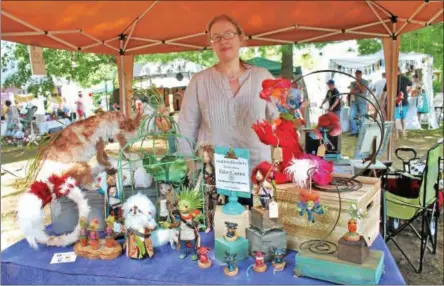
(30, 209)
(72, 149)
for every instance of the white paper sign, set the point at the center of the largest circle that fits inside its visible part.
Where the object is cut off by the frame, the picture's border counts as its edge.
(63, 257)
(232, 174)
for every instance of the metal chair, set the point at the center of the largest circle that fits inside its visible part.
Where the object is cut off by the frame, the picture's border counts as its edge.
(423, 206)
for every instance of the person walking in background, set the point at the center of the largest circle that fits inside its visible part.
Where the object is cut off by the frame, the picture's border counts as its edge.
(358, 104)
(80, 106)
(333, 98)
(378, 88)
(402, 103)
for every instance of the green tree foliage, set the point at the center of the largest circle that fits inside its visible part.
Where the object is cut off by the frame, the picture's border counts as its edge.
(427, 41)
(86, 69)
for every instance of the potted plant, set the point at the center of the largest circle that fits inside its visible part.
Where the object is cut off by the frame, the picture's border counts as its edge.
(83, 232)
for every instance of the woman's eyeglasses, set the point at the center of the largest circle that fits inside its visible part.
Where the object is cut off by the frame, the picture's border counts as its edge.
(226, 36)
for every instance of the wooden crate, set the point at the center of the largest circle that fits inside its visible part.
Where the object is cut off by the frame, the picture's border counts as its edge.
(299, 229)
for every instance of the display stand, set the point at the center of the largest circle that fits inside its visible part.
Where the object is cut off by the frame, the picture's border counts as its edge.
(242, 220)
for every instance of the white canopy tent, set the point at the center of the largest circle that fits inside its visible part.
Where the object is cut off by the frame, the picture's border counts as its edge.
(373, 66)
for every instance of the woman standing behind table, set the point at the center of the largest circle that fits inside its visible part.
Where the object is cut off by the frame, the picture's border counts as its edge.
(222, 102)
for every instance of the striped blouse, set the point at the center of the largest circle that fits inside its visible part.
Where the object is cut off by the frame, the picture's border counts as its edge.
(211, 113)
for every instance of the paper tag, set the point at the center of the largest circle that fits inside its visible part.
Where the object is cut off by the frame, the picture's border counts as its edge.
(64, 257)
(117, 228)
(273, 210)
(321, 150)
(277, 154)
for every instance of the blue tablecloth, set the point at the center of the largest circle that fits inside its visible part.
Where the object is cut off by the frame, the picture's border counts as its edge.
(23, 265)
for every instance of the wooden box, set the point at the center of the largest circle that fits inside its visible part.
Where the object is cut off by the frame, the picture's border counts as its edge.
(260, 218)
(299, 229)
(265, 241)
(353, 251)
(240, 247)
(330, 268)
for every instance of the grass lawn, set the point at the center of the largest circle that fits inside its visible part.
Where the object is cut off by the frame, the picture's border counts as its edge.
(11, 154)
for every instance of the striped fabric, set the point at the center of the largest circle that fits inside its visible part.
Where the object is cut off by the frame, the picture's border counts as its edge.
(211, 113)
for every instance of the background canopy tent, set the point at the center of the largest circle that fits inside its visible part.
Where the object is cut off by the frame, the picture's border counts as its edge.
(126, 28)
(273, 67)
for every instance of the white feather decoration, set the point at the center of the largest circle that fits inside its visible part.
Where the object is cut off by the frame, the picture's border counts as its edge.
(298, 171)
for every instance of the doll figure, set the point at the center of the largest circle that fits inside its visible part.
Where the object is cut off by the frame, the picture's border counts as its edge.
(310, 207)
(164, 205)
(259, 265)
(211, 196)
(93, 235)
(257, 183)
(204, 261)
(139, 213)
(266, 194)
(189, 204)
(231, 269)
(231, 234)
(278, 259)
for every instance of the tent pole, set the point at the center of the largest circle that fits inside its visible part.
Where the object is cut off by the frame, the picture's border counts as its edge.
(125, 69)
(391, 55)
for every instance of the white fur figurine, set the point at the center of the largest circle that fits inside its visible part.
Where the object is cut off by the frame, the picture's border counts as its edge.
(139, 212)
(142, 179)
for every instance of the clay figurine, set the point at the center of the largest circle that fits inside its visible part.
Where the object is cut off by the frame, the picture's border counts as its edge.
(259, 265)
(310, 205)
(83, 237)
(189, 203)
(139, 213)
(93, 235)
(209, 175)
(352, 225)
(278, 259)
(204, 261)
(231, 269)
(165, 206)
(109, 238)
(231, 234)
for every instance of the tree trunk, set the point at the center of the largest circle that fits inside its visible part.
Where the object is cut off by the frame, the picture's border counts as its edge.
(287, 61)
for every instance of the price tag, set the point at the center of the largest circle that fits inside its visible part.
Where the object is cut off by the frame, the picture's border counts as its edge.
(117, 227)
(321, 150)
(273, 209)
(64, 257)
(277, 154)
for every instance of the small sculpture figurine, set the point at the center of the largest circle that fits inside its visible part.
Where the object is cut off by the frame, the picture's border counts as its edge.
(231, 234)
(109, 238)
(165, 206)
(278, 260)
(83, 237)
(352, 225)
(189, 203)
(310, 204)
(266, 194)
(93, 234)
(209, 175)
(259, 265)
(231, 269)
(204, 261)
(139, 214)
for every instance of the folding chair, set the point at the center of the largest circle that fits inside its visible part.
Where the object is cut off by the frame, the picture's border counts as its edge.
(423, 206)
